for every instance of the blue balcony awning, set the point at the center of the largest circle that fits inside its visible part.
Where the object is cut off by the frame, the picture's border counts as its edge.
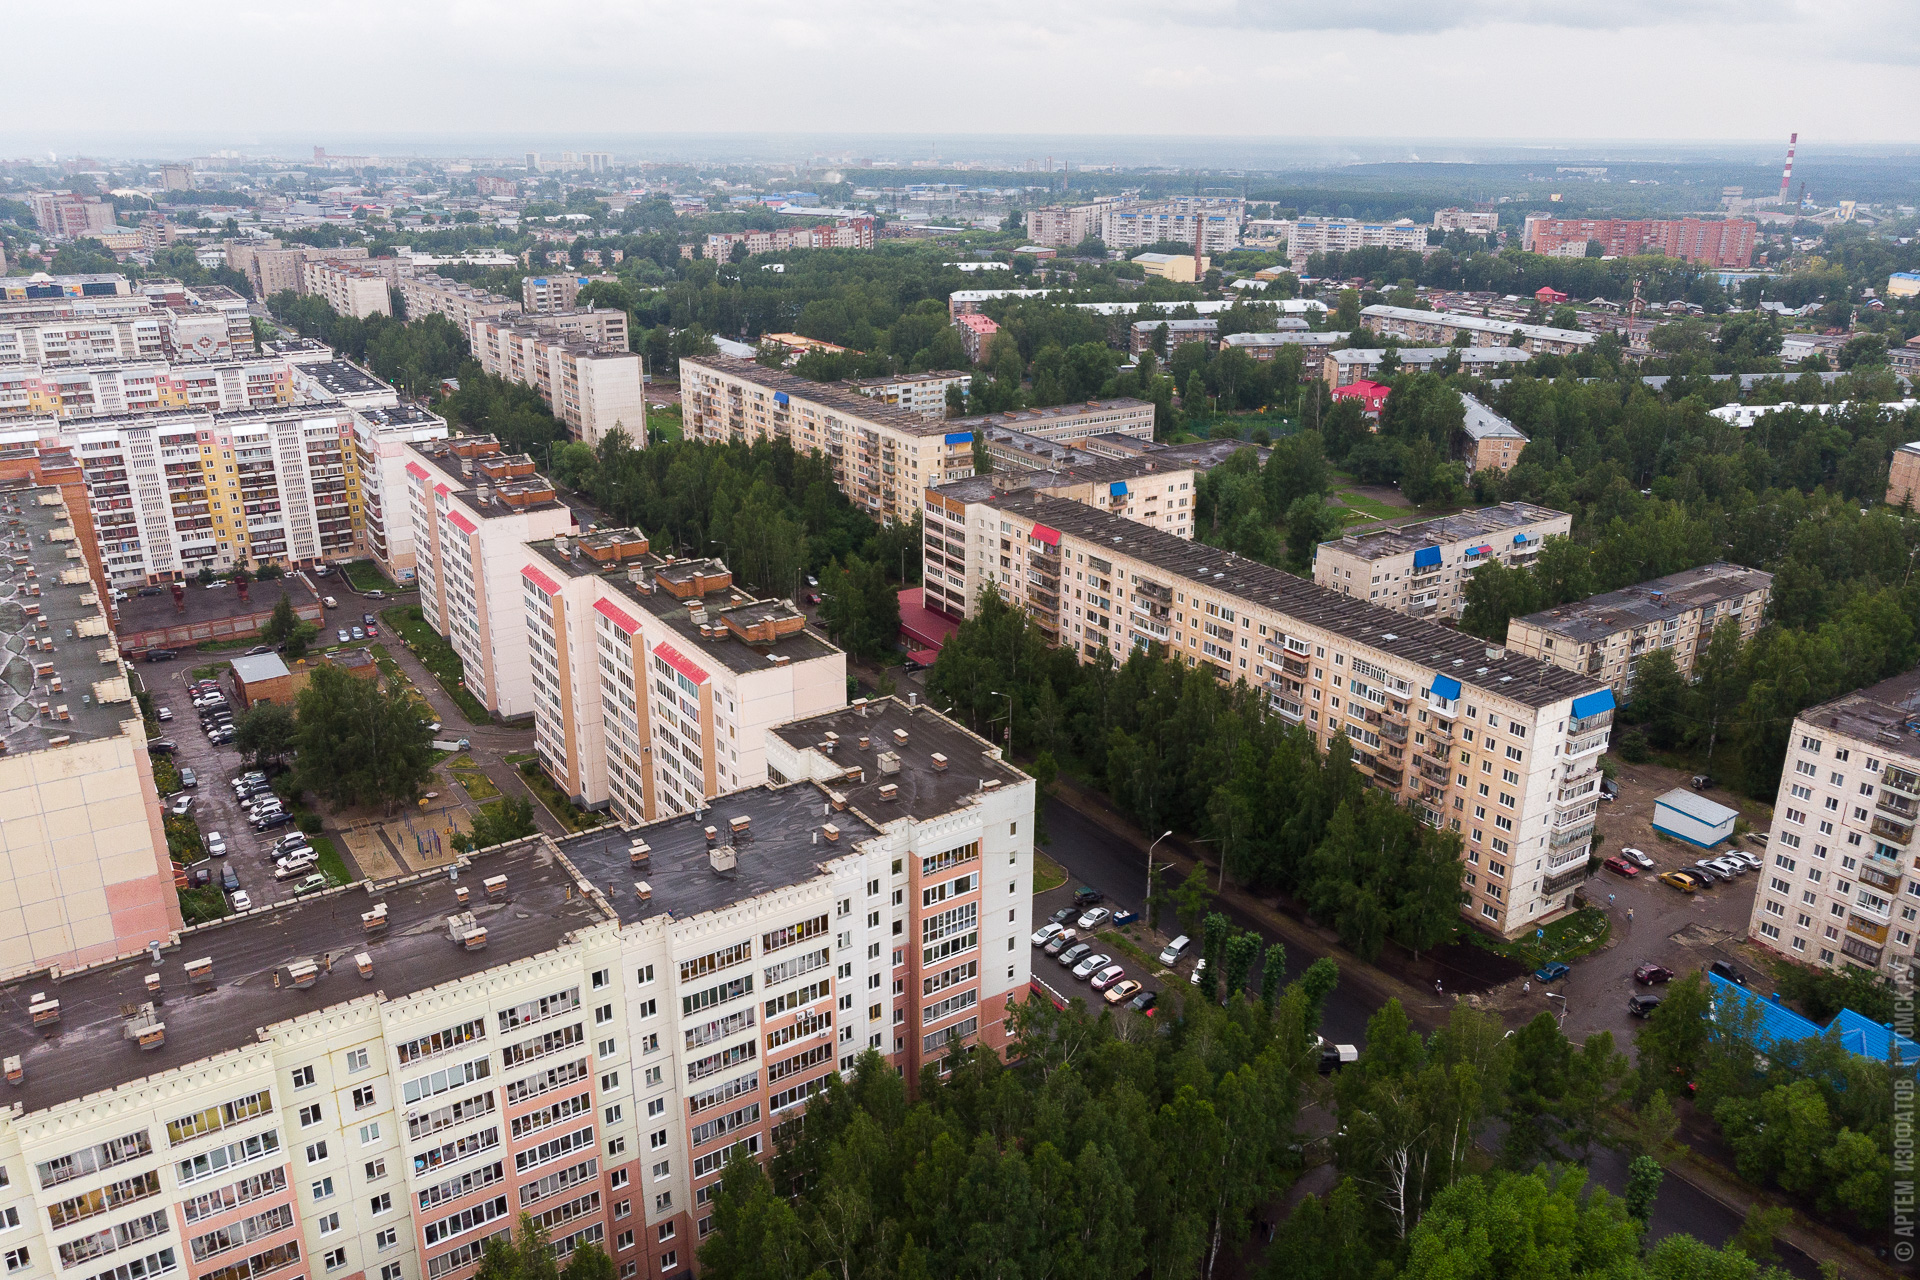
(1519, 537)
(1592, 704)
(779, 397)
(959, 437)
(1446, 687)
(1425, 557)
(1118, 489)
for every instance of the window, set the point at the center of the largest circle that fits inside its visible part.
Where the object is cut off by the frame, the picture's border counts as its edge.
(336, 1259)
(616, 1146)
(657, 1140)
(392, 1271)
(18, 1259)
(661, 1170)
(380, 1204)
(357, 1060)
(603, 1015)
(666, 1232)
(316, 1152)
(669, 1260)
(363, 1097)
(302, 1077)
(386, 1238)
(329, 1223)
(369, 1133)
(376, 1170)
(601, 977)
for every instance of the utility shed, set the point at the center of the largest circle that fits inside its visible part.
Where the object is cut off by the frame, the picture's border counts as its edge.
(1693, 818)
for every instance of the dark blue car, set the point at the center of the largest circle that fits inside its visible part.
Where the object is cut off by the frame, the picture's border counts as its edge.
(1552, 972)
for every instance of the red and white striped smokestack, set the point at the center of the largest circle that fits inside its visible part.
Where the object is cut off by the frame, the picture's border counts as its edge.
(1786, 174)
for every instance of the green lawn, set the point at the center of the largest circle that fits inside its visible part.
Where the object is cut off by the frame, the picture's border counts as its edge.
(1568, 938)
(1372, 507)
(437, 656)
(366, 576)
(1126, 946)
(477, 784)
(331, 863)
(1047, 874)
(197, 906)
(210, 671)
(568, 814)
(521, 757)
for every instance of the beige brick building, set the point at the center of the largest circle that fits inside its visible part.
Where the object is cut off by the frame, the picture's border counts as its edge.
(1422, 569)
(1903, 476)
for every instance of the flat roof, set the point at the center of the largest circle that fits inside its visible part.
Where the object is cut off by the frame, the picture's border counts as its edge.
(465, 479)
(28, 671)
(1028, 418)
(1528, 681)
(1655, 600)
(782, 849)
(1288, 338)
(833, 395)
(155, 612)
(252, 668)
(924, 791)
(1482, 324)
(1374, 542)
(86, 1052)
(343, 378)
(1423, 355)
(1697, 807)
(1886, 714)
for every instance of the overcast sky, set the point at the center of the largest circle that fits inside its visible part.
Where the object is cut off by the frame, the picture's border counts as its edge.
(1835, 70)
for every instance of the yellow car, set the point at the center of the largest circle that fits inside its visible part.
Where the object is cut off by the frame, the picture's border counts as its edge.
(1679, 880)
(1122, 991)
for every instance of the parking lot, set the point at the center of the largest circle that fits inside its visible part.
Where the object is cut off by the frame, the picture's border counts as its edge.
(1152, 976)
(1682, 932)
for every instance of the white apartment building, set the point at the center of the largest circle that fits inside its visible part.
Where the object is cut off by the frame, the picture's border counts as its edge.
(1421, 569)
(501, 341)
(1500, 748)
(882, 457)
(590, 382)
(924, 394)
(1606, 635)
(1473, 221)
(1063, 226)
(1067, 423)
(1441, 327)
(1837, 890)
(1215, 221)
(654, 678)
(544, 294)
(429, 294)
(383, 440)
(354, 289)
(111, 385)
(84, 871)
(1312, 235)
(472, 508)
(271, 267)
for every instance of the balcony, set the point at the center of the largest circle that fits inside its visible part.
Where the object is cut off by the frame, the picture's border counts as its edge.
(1588, 723)
(1431, 816)
(1578, 814)
(1899, 833)
(1587, 746)
(1857, 949)
(1441, 731)
(1431, 770)
(1574, 835)
(1394, 732)
(1565, 880)
(1151, 630)
(1907, 784)
(1886, 880)
(1391, 776)
(1904, 808)
(1288, 708)
(1863, 927)
(1154, 591)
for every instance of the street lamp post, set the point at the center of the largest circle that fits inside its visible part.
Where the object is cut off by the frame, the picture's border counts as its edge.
(1150, 849)
(1009, 697)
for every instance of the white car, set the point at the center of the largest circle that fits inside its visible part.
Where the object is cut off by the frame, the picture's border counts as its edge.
(216, 845)
(1095, 918)
(163, 714)
(181, 803)
(1091, 965)
(241, 902)
(1046, 933)
(1746, 859)
(1199, 971)
(1636, 857)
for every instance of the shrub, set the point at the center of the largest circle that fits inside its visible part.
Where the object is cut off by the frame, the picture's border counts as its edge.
(1632, 747)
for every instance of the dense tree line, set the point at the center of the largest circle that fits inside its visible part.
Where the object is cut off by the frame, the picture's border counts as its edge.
(413, 355)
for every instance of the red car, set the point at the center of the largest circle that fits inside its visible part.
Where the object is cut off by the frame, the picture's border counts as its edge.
(1620, 866)
(1648, 974)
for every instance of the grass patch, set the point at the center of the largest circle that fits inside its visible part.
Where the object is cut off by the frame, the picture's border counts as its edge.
(666, 420)
(1047, 874)
(388, 667)
(330, 863)
(1568, 938)
(364, 575)
(520, 757)
(198, 906)
(1370, 506)
(478, 785)
(211, 671)
(225, 646)
(438, 657)
(566, 812)
(1126, 946)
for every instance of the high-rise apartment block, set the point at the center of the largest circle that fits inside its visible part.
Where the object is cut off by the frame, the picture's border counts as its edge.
(271, 267)
(1135, 224)
(66, 216)
(351, 288)
(1724, 243)
(164, 321)
(1605, 636)
(1501, 748)
(539, 294)
(1473, 221)
(654, 678)
(1312, 235)
(1422, 569)
(473, 508)
(579, 363)
(1838, 890)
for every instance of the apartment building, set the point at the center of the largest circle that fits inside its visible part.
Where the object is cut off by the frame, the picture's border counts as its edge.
(1144, 334)
(1063, 226)
(882, 457)
(1067, 423)
(271, 267)
(846, 233)
(85, 871)
(1441, 327)
(383, 438)
(604, 328)
(922, 394)
(105, 387)
(1498, 747)
(1264, 346)
(430, 294)
(1421, 569)
(64, 215)
(1903, 476)
(1486, 441)
(976, 334)
(40, 286)
(1363, 364)
(473, 507)
(540, 295)
(1839, 891)
(1311, 235)
(351, 288)
(1605, 636)
(1214, 222)
(1472, 221)
(1727, 243)
(960, 554)
(203, 322)
(654, 678)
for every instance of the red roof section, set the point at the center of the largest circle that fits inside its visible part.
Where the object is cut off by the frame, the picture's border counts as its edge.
(417, 471)
(1049, 536)
(679, 662)
(922, 627)
(541, 580)
(619, 618)
(461, 523)
(1370, 394)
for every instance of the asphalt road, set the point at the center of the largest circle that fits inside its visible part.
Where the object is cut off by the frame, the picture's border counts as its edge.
(1092, 856)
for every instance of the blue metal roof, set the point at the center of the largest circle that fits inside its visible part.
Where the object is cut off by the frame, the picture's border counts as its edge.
(1858, 1033)
(1446, 687)
(1593, 704)
(1426, 556)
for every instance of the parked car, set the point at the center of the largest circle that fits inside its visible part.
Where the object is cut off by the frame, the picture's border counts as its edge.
(293, 867)
(1679, 880)
(1609, 789)
(1728, 867)
(375, 594)
(259, 649)
(216, 845)
(1143, 1003)
(359, 633)
(229, 878)
(1063, 915)
(1637, 857)
(1335, 1056)
(287, 842)
(163, 714)
(1074, 954)
(188, 778)
(1704, 873)
(311, 884)
(373, 633)
(1620, 866)
(342, 636)
(1702, 781)
(1648, 974)
(161, 655)
(1552, 971)
(1745, 859)
(1175, 949)
(200, 878)
(1083, 897)
(1642, 1006)
(271, 821)
(179, 805)
(1758, 837)
(241, 902)
(1108, 976)
(1095, 918)
(1726, 970)
(1199, 972)
(1122, 991)
(160, 746)
(1091, 965)
(1046, 933)
(329, 602)
(367, 619)
(1060, 942)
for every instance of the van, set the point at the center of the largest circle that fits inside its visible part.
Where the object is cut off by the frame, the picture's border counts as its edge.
(1175, 949)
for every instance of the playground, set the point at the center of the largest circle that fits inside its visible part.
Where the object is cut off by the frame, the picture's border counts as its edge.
(417, 839)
